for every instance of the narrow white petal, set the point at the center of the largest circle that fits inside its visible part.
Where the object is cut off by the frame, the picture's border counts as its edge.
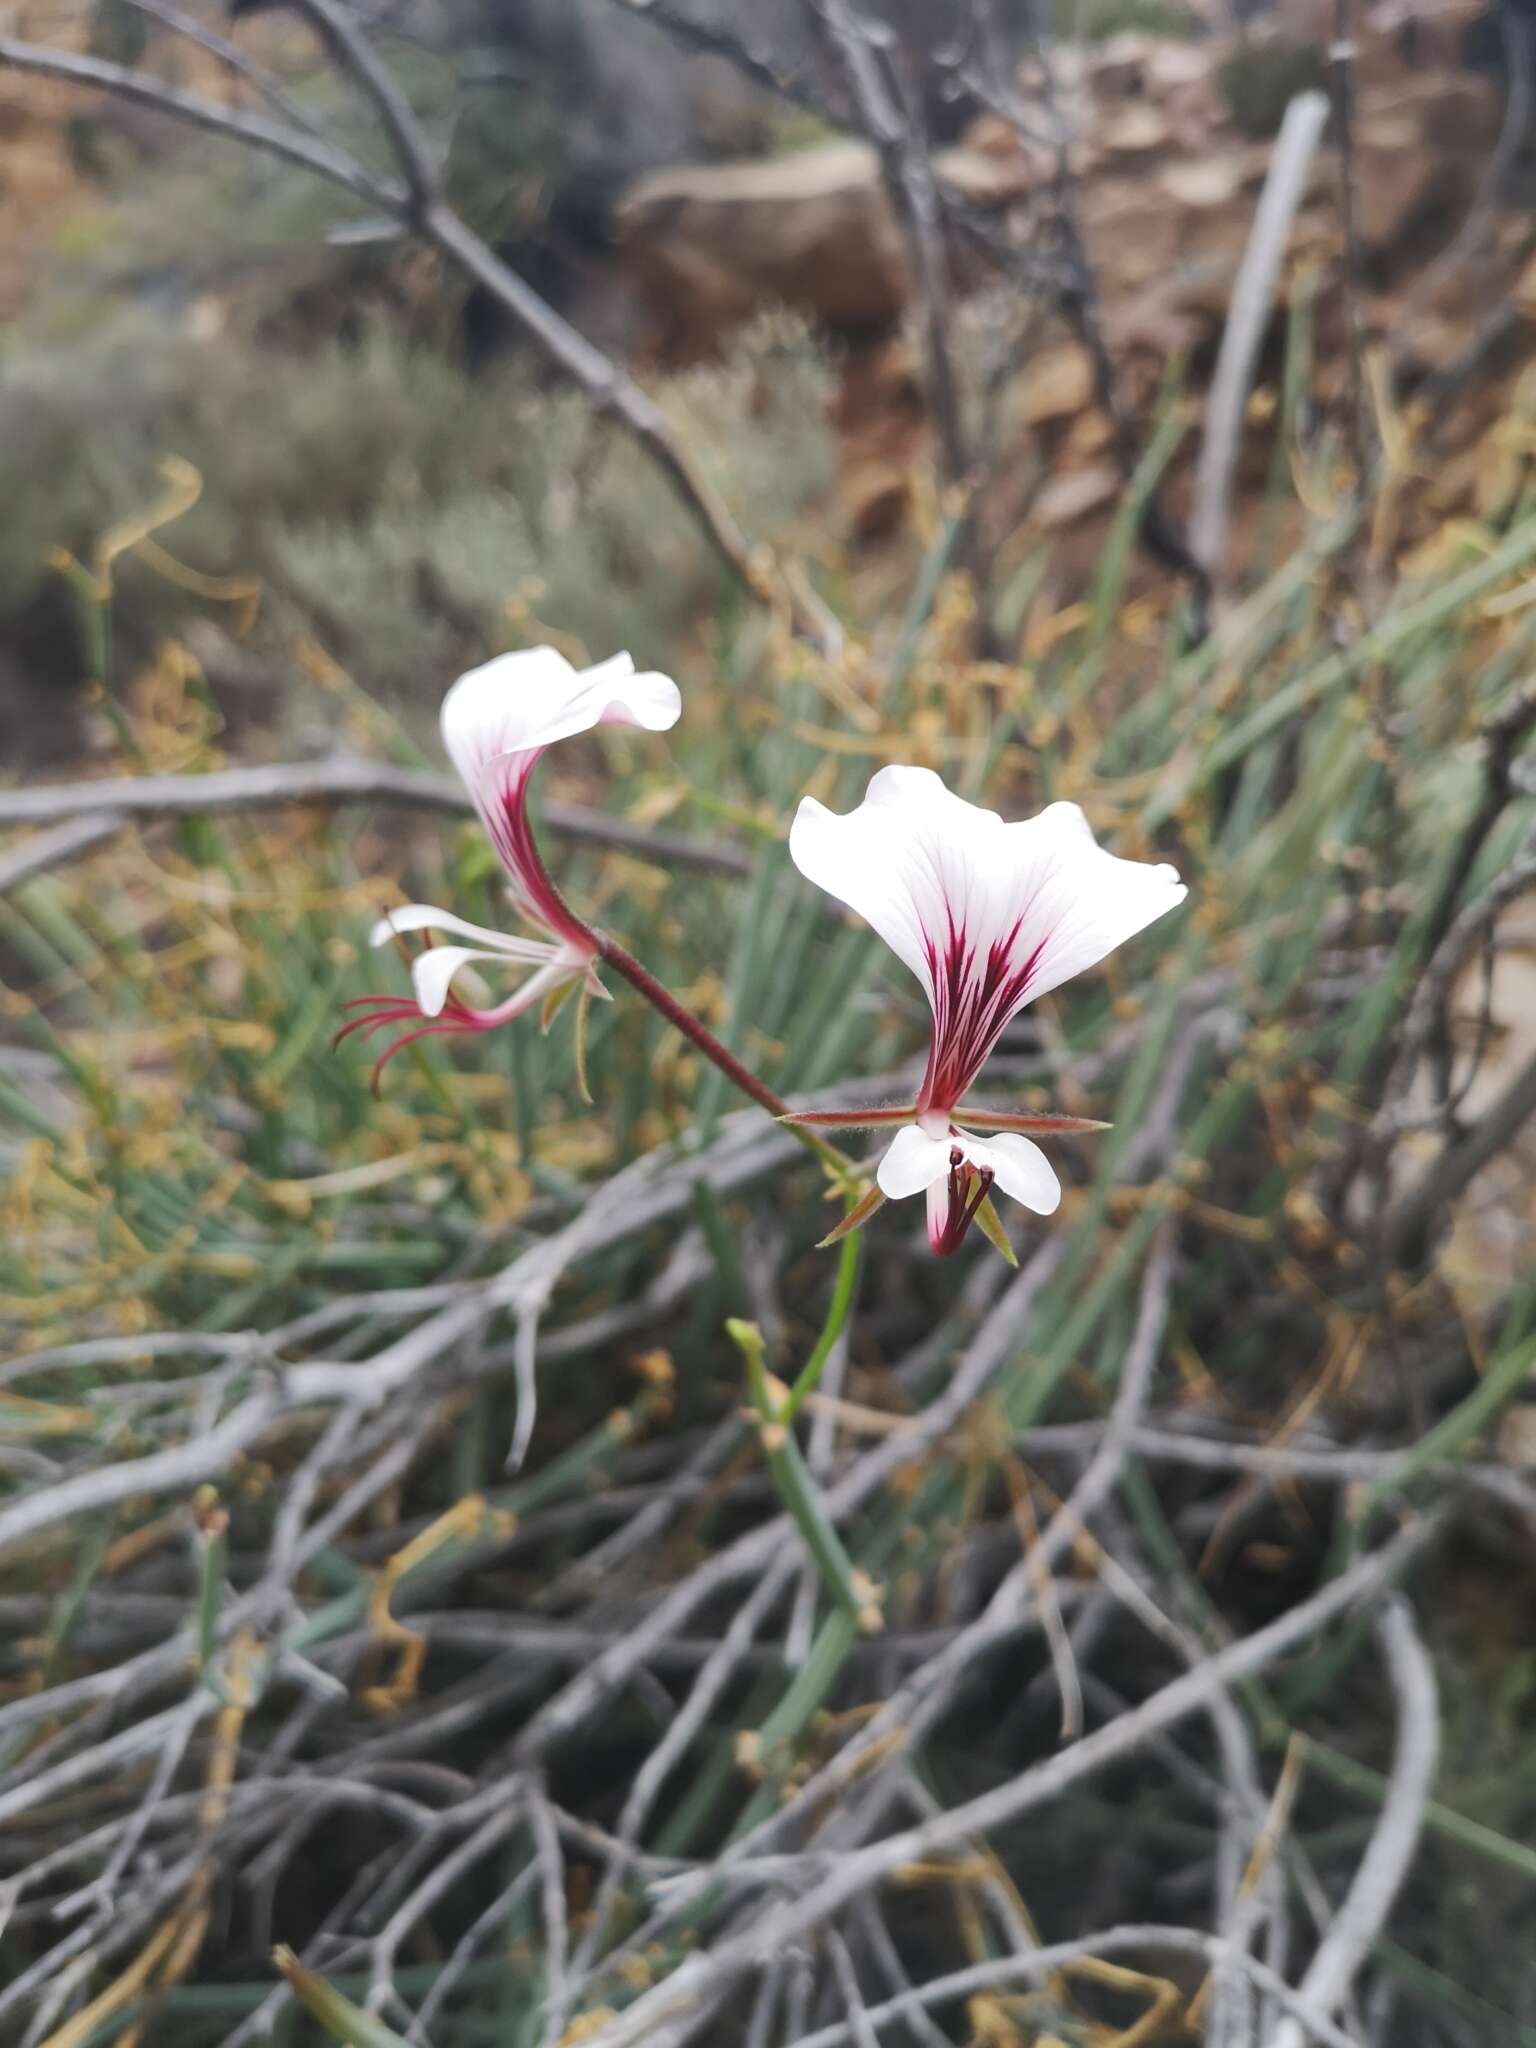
(533, 990)
(417, 917)
(433, 971)
(912, 1161)
(1021, 1169)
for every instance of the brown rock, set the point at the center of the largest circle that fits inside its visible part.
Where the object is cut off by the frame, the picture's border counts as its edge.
(1055, 385)
(1134, 133)
(709, 245)
(878, 497)
(1211, 181)
(1516, 1439)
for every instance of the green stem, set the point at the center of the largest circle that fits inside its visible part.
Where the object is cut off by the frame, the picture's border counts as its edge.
(793, 1482)
(838, 1309)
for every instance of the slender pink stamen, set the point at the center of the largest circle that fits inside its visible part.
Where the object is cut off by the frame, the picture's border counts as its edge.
(947, 1234)
(456, 1017)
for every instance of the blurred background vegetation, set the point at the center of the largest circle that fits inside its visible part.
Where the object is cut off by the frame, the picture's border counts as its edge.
(277, 474)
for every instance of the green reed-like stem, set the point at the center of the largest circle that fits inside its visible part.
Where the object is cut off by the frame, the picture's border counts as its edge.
(795, 1487)
(838, 1310)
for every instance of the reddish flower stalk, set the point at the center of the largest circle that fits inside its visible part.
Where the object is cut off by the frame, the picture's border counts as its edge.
(645, 983)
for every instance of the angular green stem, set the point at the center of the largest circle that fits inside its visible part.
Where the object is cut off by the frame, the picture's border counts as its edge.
(838, 1309)
(795, 1486)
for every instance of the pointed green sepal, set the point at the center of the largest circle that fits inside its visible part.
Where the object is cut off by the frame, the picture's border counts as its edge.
(554, 1003)
(971, 1115)
(850, 1119)
(583, 1006)
(856, 1218)
(341, 2019)
(991, 1226)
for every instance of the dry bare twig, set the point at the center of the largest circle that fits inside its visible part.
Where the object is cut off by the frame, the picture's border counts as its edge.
(102, 807)
(1348, 1941)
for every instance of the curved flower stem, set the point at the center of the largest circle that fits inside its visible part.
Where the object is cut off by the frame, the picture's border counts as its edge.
(645, 983)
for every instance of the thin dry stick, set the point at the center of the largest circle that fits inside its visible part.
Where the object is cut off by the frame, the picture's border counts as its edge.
(1515, 29)
(1347, 1945)
(714, 1675)
(1341, 59)
(52, 849)
(743, 1149)
(170, 1471)
(909, 1711)
(1002, 1971)
(356, 58)
(234, 59)
(754, 1552)
(1253, 293)
(889, 118)
(108, 804)
(1467, 932)
(1411, 1221)
(693, 1988)
(278, 138)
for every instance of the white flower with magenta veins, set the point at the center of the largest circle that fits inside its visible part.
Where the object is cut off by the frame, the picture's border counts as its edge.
(497, 721)
(988, 916)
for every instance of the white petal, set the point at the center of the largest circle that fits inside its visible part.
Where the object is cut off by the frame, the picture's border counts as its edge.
(988, 915)
(534, 989)
(1076, 901)
(856, 859)
(433, 971)
(1021, 1168)
(912, 1161)
(417, 917)
(524, 701)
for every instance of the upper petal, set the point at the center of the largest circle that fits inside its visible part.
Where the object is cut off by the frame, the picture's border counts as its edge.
(911, 1162)
(1075, 901)
(986, 914)
(522, 702)
(864, 858)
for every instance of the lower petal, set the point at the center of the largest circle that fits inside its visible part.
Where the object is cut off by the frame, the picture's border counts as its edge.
(418, 917)
(432, 973)
(1022, 1170)
(913, 1161)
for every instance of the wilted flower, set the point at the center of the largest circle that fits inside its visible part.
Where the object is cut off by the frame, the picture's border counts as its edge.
(497, 721)
(988, 916)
